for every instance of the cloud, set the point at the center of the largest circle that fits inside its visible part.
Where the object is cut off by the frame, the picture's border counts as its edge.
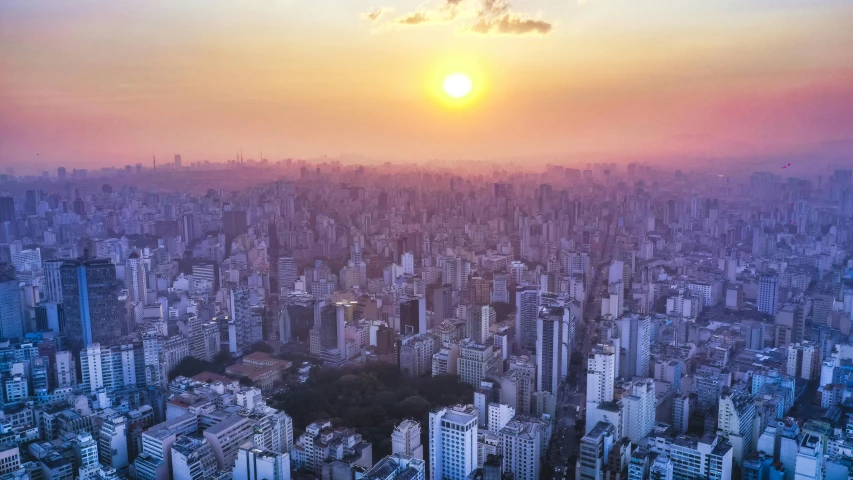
(497, 17)
(489, 17)
(415, 18)
(375, 14)
(510, 24)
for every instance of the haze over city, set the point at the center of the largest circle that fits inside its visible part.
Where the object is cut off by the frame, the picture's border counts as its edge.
(426, 240)
(98, 83)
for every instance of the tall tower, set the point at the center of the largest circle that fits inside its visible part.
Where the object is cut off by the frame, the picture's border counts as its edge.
(90, 302)
(527, 306)
(552, 349)
(453, 443)
(11, 320)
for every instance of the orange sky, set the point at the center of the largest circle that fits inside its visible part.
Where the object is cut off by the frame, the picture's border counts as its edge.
(98, 82)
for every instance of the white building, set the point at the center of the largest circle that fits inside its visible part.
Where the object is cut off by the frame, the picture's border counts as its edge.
(499, 415)
(635, 338)
(639, 409)
(803, 360)
(735, 421)
(408, 261)
(92, 371)
(260, 464)
(521, 446)
(601, 376)
(453, 443)
(406, 439)
(595, 448)
(809, 465)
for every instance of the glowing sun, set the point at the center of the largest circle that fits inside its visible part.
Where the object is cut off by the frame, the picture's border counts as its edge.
(457, 85)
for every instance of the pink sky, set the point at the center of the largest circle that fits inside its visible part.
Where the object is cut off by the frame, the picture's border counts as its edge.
(96, 83)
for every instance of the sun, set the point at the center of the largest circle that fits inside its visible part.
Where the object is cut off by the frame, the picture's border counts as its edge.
(457, 85)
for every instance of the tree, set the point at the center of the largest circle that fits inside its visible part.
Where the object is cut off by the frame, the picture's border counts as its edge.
(261, 347)
(502, 310)
(189, 367)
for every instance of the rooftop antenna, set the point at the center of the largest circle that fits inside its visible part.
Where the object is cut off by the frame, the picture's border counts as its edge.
(241, 155)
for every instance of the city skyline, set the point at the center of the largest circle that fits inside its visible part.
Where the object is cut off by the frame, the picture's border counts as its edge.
(96, 84)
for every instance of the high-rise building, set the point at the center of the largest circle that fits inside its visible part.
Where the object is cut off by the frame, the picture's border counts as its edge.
(639, 409)
(92, 370)
(406, 439)
(442, 304)
(260, 464)
(500, 290)
(189, 232)
(526, 313)
(635, 341)
(522, 445)
(595, 449)
(90, 303)
(234, 222)
(136, 281)
(475, 361)
(248, 327)
(112, 444)
(86, 455)
(553, 348)
(7, 209)
(661, 469)
(11, 317)
(287, 274)
(52, 281)
(709, 457)
(453, 442)
(192, 459)
(479, 322)
(600, 380)
(768, 293)
(810, 458)
(65, 370)
(413, 315)
(735, 421)
(408, 262)
(804, 360)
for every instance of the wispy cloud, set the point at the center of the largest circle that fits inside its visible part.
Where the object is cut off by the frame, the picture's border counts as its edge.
(485, 17)
(415, 18)
(497, 17)
(511, 24)
(374, 15)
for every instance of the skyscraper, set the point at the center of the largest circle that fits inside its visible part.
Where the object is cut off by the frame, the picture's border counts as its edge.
(11, 319)
(52, 281)
(635, 340)
(442, 304)
(552, 349)
(287, 273)
(413, 315)
(453, 442)
(526, 311)
(601, 365)
(188, 228)
(768, 294)
(136, 281)
(90, 302)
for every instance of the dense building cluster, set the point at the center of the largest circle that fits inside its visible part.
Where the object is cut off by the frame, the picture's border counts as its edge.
(613, 322)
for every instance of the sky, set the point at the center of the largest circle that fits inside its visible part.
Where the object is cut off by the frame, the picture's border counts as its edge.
(103, 82)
